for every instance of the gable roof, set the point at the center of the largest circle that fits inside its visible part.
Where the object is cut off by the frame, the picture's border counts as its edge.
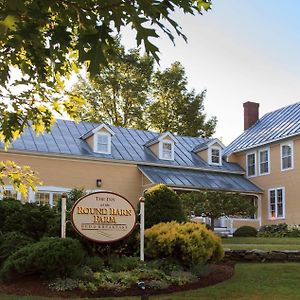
(207, 144)
(127, 145)
(98, 128)
(277, 125)
(160, 138)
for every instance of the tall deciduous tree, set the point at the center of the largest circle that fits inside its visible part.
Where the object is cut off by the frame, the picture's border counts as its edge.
(217, 204)
(42, 42)
(128, 92)
(176, 109)
(119, 95)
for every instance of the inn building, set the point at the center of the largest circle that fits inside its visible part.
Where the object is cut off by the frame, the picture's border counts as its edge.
(128, 162)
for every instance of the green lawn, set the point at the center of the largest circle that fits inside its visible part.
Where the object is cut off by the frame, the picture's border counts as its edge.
(239, 243)
(251, 281)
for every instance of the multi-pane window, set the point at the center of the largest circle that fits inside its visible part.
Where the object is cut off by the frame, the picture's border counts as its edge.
(47, 198)
(42, 198)
(215, 156)
(251, 164)
(103, 143)
(286, 156)
(276, 203)
(264, 161)
(167, 151)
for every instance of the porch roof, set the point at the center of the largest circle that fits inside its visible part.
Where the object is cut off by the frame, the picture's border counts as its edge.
(198, 179)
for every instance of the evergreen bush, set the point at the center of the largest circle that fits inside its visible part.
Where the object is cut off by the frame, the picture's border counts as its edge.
(50, 257)
(162, 204)
(245, 231)
(10, 242)
(190, 243)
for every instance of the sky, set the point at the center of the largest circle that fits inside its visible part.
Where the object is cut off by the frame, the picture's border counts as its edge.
(239, 51)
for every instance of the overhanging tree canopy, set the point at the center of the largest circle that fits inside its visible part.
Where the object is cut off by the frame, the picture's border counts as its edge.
(44, 40)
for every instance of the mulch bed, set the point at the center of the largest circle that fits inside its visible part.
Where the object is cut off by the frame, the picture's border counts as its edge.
(36, 287)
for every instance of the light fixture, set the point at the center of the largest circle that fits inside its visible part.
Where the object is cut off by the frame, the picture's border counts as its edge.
(98, 182)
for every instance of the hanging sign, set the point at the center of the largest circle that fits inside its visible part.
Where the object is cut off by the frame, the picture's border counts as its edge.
(103, 217)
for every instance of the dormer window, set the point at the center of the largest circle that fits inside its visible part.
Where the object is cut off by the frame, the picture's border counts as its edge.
(102, 142)
(215, 157)
(99, 139)
(167, 150)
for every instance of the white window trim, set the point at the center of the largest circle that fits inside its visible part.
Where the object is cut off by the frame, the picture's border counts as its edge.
(255, 165)
(269, 161)
(50, 189)
(161, 149)
(96, 142)
(210, 154)
(291, 144)
(283, 203)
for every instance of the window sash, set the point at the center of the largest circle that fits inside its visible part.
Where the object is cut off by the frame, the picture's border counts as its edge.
(251, 164)
(167, 151)
(286, 157)
(264, 161)
(215, 156)
(276, 203)
(102, 143)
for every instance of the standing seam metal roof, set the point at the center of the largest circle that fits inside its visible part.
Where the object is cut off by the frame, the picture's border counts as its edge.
(198, 179)
(279, 124)
(127, 145)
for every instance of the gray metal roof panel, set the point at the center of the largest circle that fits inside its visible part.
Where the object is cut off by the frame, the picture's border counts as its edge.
(127, 145)
(199, 179)
(279, 124)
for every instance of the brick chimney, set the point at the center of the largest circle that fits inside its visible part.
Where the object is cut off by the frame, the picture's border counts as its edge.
(251, 110)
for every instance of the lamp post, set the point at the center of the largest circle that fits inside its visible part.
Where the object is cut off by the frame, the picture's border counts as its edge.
(63, 214)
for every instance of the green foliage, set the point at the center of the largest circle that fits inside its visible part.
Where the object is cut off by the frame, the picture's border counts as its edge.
(64, 284)
(128, 92)
(50, 257)
(167, 265)
(162, 204)
(10, 242)
(245, 231)
(44, 40)
(119, 94)
(279, 230)
(29, 219)
(124, 263)
(189, 243)
(174, 108)
(217, 204)
(95, 263)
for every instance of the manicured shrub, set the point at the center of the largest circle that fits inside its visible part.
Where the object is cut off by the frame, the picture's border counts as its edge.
(95, 263)
(274, 230)
(8, 207)
(245, 231)
(50, 257)
(29, 219)
(124, 263)
(11, 242)
(190, 243)
(293, 231)
(162, 204)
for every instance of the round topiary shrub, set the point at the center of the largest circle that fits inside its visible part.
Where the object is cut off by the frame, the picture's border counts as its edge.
(50, 257)
(189, 243)
(162, 204)
(10, 242)
(245, 231)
